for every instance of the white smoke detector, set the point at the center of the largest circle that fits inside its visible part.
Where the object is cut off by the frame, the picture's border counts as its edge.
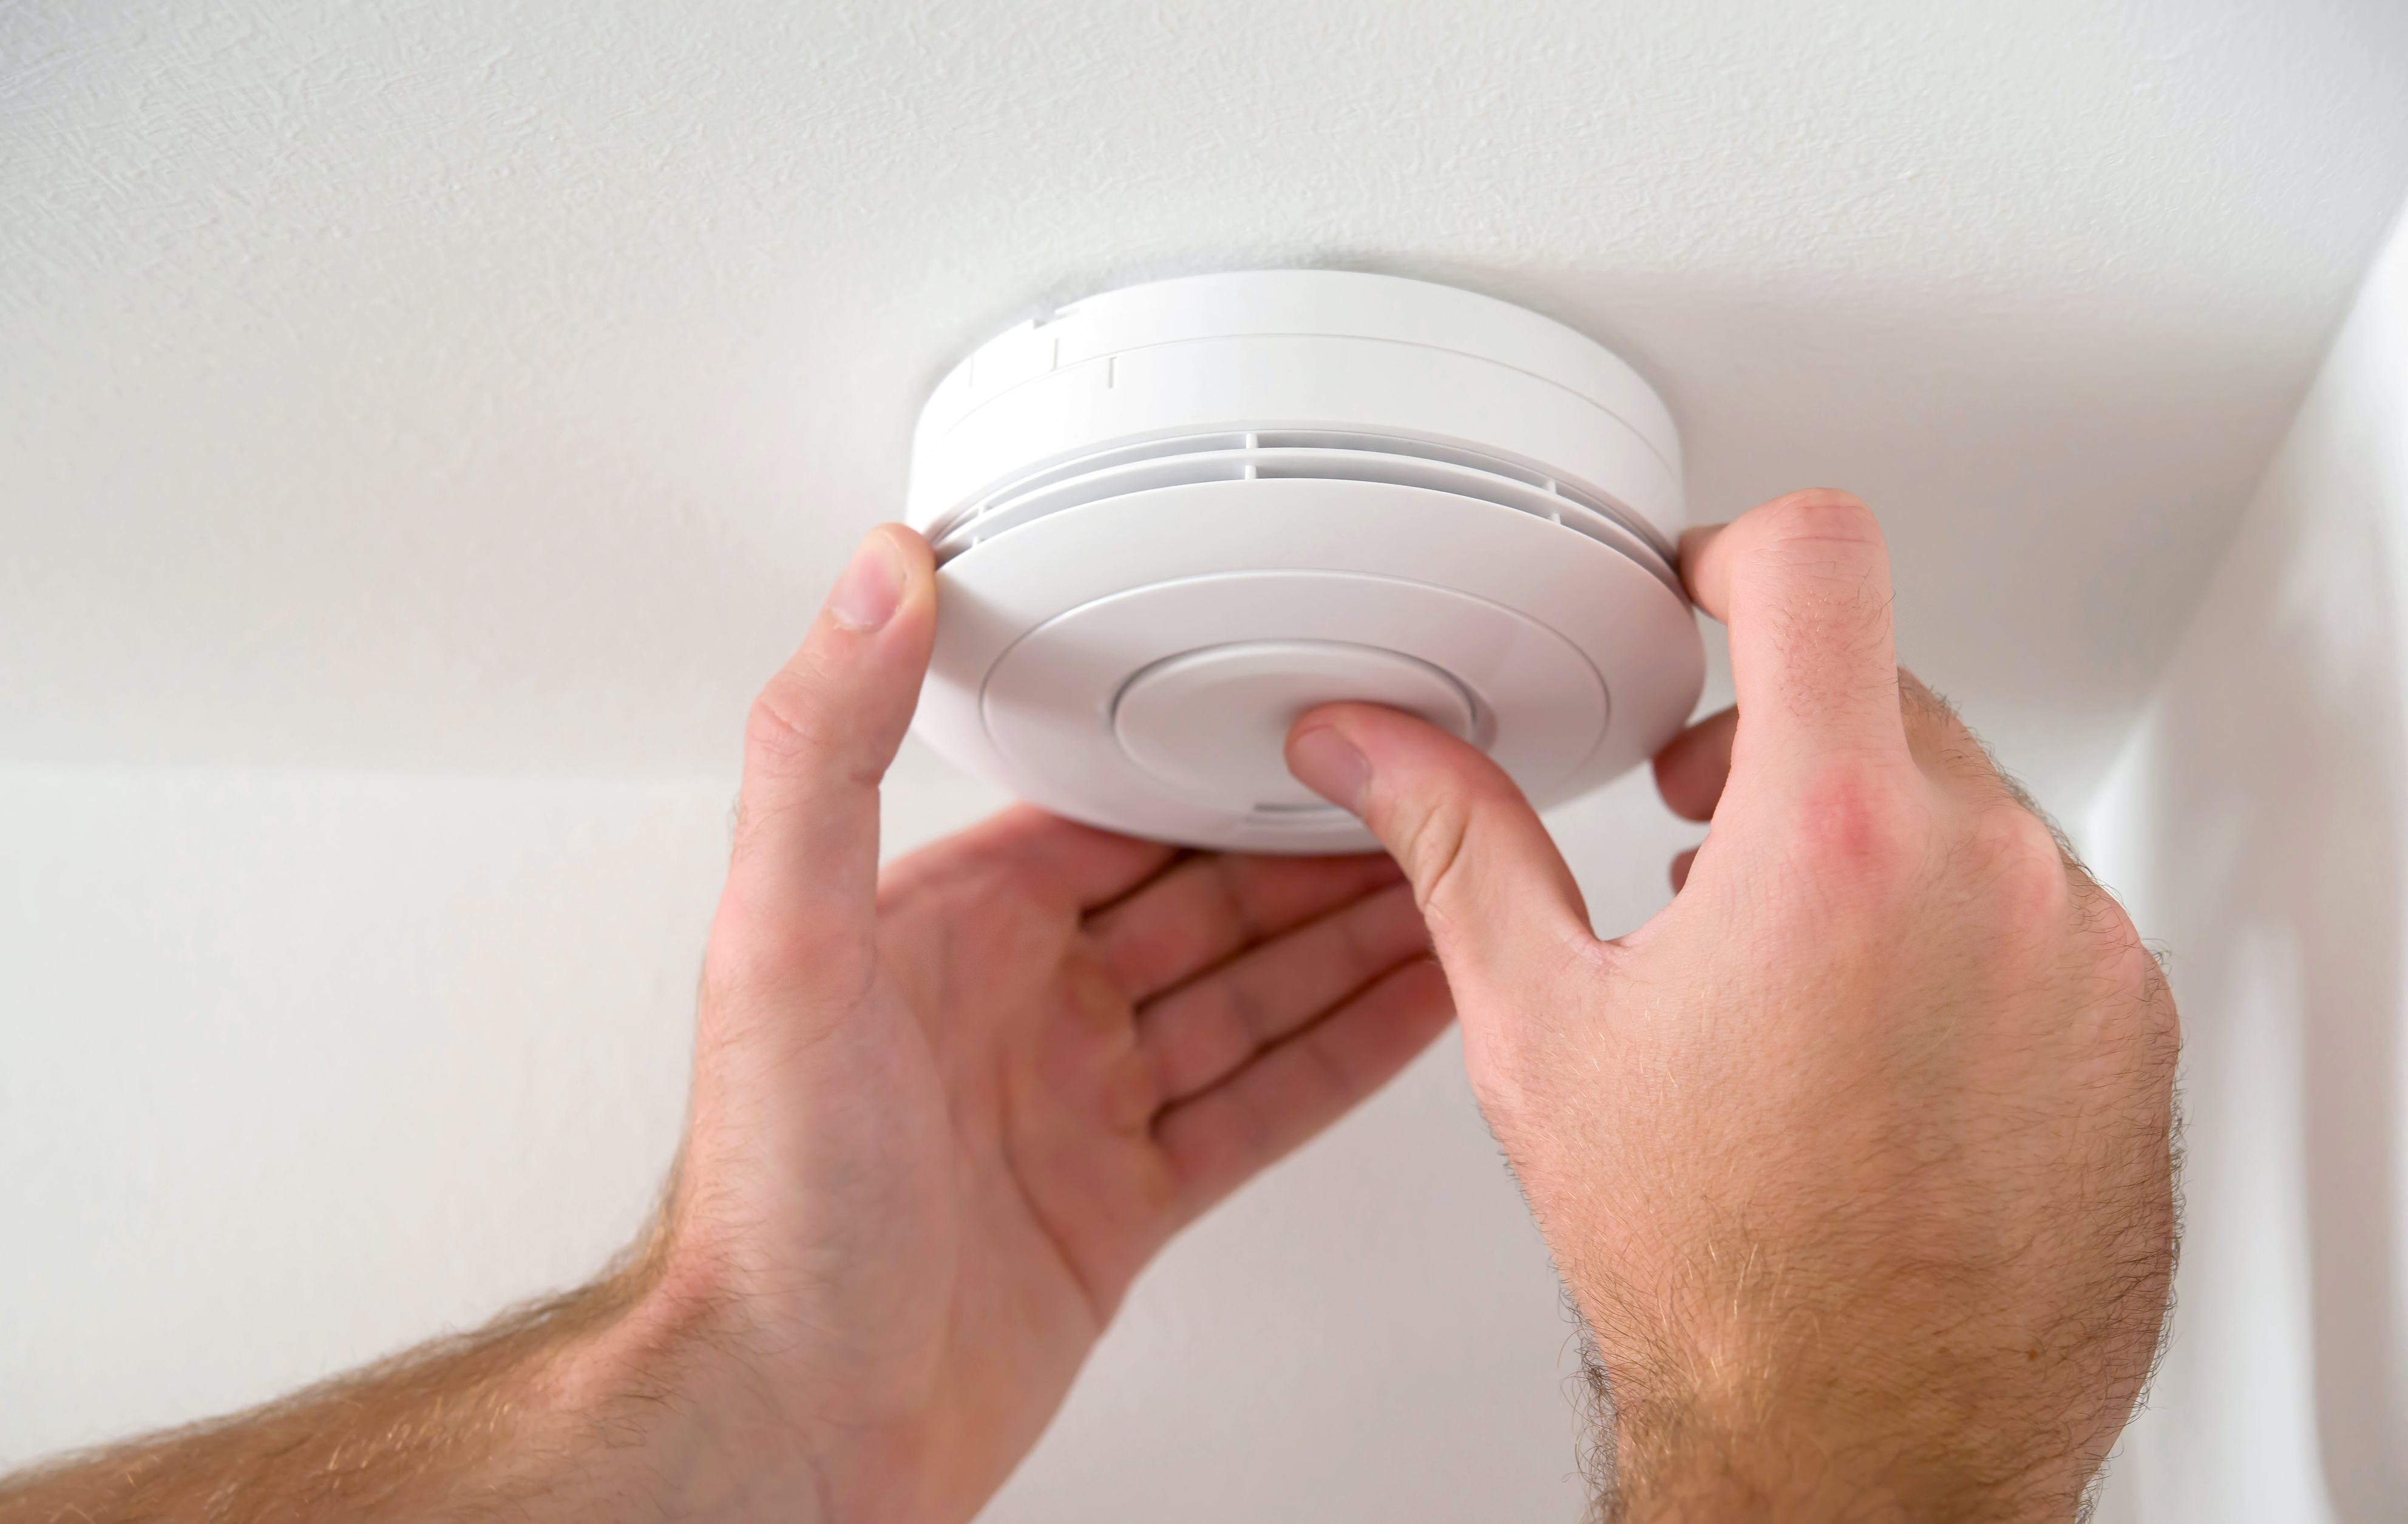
(1170, 519)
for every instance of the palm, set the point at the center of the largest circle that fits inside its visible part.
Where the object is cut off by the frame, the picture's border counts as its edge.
(947, 1162)
(1119, 1037)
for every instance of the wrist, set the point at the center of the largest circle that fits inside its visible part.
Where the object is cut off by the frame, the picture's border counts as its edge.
(1739, 1427)
(1694, 1467)
(673, 1411)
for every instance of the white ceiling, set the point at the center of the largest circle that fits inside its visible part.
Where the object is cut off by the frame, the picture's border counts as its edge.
(473, 386)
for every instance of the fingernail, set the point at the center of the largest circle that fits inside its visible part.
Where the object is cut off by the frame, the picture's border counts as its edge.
(868, 594)
(1327, 763)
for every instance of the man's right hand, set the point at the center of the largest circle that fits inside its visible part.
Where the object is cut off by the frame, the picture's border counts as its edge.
(1858, 1159)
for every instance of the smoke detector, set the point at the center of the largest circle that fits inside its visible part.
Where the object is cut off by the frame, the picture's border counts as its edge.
(1170, 519)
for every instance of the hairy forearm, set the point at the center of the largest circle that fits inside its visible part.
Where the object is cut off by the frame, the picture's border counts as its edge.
(577, 1407)
(1761, 1393)
(1699, 1468)
(1801, 1445)
(460, 1428)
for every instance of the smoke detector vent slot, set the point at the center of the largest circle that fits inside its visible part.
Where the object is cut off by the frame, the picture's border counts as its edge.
(1307, 485)
(1274, 455)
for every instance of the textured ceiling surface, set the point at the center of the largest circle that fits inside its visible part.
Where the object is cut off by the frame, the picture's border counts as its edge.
(468, 385)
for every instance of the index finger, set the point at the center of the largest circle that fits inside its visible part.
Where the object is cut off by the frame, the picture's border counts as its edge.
(1804, 584)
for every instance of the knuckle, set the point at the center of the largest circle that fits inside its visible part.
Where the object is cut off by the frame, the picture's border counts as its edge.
(1435, 841)
(1819, 514)
(2024, 842)
(2031, 884)
(1855, 822)
(2128, 961)
(1815, 566)
(786, 728)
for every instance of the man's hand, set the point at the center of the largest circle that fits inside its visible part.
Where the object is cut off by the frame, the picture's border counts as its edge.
(1857, 1158)
(941, 1120)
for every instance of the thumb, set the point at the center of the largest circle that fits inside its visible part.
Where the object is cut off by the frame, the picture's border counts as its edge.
(1500, 905)
(1803, 584)
(802, 880)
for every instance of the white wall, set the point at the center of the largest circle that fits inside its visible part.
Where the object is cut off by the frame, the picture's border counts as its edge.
(2255, 826)
(300, 1070)
(453, 387)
